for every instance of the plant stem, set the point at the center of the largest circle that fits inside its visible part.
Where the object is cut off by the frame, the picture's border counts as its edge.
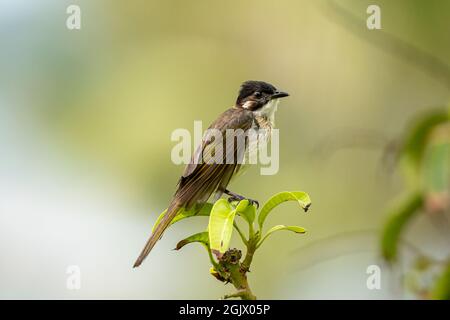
(211, 258)
(241, 234)
(239, 280)
(231, 270)
(251, 247)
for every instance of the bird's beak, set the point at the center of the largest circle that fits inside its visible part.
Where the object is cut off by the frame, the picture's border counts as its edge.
(279, 94)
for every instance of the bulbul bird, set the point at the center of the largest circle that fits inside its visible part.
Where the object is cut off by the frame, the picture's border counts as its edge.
(255, 108)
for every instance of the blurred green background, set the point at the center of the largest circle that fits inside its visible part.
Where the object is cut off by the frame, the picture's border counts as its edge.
(86, 117)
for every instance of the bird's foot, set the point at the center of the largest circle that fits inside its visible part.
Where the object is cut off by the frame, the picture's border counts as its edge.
(236, 197)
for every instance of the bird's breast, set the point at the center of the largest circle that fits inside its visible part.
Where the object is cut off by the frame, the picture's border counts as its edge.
(262, 126)
(263, 123)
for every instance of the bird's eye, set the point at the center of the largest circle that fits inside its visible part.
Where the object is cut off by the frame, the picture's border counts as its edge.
(257, 94)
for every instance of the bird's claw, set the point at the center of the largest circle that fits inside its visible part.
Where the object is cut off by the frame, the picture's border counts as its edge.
(254, 203)
(240, 198)
(235, 198)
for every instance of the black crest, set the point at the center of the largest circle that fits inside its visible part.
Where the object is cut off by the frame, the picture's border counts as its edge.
(251, 86)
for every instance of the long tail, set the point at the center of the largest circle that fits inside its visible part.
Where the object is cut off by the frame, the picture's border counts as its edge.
(158, 232)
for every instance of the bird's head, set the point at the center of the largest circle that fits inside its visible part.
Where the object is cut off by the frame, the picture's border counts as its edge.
(258, 95)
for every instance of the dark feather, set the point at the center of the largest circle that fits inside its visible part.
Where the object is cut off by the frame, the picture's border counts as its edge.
(200, 178)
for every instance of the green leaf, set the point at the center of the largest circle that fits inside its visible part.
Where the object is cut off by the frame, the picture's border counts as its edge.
(242, 205)
(220, 225)
(295, 229)
(416, 141)
(183, 214)
(201, 237)
(247, 212)
(301, 197)
(441, 290)
(398, 217)
(436, 168)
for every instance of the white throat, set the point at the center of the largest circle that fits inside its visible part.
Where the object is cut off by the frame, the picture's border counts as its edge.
(268, 110)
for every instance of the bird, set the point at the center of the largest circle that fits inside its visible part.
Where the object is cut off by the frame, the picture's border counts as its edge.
(255, 108)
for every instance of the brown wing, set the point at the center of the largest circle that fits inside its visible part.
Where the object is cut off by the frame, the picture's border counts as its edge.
(203, 176)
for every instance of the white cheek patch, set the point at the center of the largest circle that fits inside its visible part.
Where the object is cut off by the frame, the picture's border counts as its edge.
(248, 105)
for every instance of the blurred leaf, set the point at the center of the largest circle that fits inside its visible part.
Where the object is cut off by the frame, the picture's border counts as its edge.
(301, 197)
(295, 229)
(437, 167)
(415, 142)
(183, 214)
(201, 237)
(441, 290)
(399, 216)
(422, 263)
